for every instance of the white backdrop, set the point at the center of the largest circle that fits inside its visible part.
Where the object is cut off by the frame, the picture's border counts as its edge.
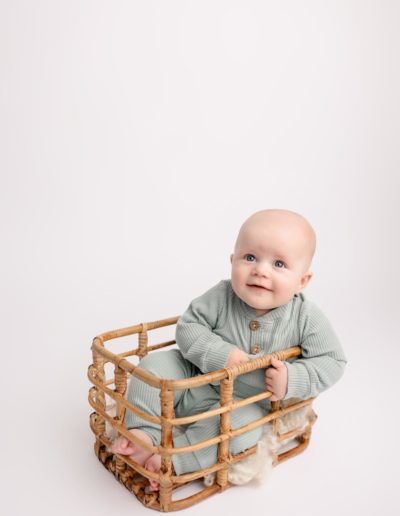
(135, 139)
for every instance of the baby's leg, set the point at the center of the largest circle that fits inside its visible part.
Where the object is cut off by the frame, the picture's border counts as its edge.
(210, 427)
(167, 364)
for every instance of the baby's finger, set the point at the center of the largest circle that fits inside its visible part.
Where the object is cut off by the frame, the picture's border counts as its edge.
(276, 363)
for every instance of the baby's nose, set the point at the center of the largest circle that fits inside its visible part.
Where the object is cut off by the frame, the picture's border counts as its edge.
(261, 269)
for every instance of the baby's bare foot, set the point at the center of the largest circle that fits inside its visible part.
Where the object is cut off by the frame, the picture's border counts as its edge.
(153, 464)
(124, 446)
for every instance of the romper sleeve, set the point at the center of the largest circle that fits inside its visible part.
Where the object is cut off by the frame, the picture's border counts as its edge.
(322, 360)
(194, 331)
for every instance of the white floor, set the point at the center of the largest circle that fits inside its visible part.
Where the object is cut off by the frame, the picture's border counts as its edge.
(136, 137)
(350, 466)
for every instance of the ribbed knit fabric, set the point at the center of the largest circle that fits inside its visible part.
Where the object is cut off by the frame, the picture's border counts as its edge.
(218, 320)
(209, 428)
(210, 328)
(171, 364)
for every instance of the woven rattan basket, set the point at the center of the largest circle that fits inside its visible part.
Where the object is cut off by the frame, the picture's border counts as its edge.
(132, 475)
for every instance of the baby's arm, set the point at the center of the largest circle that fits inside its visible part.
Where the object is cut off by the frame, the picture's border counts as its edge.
(195, 336)
(322, 360)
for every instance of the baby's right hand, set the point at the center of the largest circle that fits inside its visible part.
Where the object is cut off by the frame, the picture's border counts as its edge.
(236, 356)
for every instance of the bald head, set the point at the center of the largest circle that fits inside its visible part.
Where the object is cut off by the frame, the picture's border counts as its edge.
(287, 227)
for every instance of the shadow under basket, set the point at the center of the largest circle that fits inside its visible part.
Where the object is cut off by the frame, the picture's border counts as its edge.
(133, 476)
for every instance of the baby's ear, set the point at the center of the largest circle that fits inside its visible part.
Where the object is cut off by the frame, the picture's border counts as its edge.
(304, 280)
(231, 258)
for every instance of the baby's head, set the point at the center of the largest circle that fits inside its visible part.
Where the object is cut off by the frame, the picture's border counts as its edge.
(272, 258)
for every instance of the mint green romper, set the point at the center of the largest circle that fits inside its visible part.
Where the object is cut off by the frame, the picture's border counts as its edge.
(209, 329)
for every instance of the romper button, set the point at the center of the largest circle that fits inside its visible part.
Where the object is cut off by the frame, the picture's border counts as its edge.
(254, 325)
(255, 349)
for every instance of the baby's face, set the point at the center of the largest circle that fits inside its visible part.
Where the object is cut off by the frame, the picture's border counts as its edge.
(270, 263)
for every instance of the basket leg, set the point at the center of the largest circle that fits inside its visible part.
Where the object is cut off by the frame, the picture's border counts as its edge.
(100, 424)
(226, 393)
(167, 412)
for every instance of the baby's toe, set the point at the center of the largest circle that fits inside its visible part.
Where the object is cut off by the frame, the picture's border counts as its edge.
(123, 446)
(154, 485)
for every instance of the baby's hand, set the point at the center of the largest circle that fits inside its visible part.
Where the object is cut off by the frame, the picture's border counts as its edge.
(236, 356)
(276, 379)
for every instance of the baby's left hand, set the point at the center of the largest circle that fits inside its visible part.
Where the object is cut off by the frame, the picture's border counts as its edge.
(276, 379)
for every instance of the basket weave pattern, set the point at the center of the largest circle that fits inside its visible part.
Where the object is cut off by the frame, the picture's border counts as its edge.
(132, 475)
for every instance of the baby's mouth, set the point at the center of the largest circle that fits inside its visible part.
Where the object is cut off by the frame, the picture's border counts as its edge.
(259, 287)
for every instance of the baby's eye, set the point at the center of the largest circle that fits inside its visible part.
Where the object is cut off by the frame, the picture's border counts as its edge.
(280, 264)
(250, 258)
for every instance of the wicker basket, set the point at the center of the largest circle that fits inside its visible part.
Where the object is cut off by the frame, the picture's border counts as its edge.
(132, 475)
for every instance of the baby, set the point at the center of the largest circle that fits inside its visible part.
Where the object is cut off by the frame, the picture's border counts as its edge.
(258, 311)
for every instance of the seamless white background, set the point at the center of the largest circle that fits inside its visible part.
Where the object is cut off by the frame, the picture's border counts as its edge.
(135, 139)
